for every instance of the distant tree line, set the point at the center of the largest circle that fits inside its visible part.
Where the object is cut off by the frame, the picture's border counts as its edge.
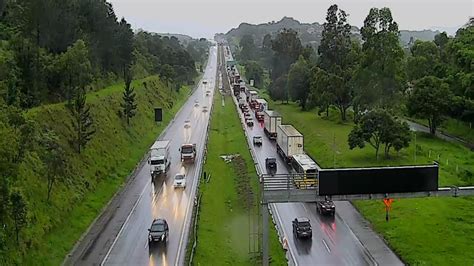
(373, 80)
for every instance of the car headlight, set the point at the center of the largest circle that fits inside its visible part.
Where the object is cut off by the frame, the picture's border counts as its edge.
(163, 237)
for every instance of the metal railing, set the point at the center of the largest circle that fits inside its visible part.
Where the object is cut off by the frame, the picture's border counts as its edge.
(289, 181)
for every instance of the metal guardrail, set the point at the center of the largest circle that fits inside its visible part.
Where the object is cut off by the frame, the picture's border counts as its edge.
(195, 227)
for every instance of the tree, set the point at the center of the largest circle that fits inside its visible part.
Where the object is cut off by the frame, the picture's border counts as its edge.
(247, 46)
(81, 121)
(378, 127)
(167, 73)
(298, 81)
(19, 212)
(129, 106)
(75, 68)
(320, 96)
(54, 159)
(125, 45)
(431, 100)
(397, 136)
(279, 90)
(382, 56)
(424, 61)
(254, 71)
(287, 47)
(267, 52)
(339, 57)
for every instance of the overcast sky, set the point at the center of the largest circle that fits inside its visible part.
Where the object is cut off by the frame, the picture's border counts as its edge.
(203, 18)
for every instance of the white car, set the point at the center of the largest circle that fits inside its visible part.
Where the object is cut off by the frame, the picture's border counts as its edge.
(179, 181)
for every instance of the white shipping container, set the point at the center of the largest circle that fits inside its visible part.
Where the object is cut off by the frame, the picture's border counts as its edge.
(289, 140)
(271, 121)
(159, 148)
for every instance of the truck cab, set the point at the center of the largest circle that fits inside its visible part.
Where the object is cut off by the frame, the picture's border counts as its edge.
(188, 152)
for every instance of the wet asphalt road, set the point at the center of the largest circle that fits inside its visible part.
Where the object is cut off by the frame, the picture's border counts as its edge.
(333, 242)
(160, 199)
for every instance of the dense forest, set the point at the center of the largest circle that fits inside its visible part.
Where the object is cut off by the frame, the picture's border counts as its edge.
(77, 44)
(430, 80)
(58, 51)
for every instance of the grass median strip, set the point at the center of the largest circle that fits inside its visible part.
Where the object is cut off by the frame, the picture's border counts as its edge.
(229, 217)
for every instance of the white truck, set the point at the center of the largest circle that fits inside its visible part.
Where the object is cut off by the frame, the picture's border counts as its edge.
(289, 142)
(271, 121)
(253, 95)
(159, 159)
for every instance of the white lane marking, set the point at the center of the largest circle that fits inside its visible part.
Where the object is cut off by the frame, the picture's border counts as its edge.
(123, 225)
(361, 246)
(326, 245)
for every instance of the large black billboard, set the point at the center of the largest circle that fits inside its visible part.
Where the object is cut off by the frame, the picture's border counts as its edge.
(374, 180)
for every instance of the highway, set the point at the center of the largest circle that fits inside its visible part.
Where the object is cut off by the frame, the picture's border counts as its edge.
(333, 241)
(119, 236)
(160, 199)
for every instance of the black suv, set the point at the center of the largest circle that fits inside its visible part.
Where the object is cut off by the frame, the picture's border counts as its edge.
(326, 207)
(271, 165)
(302, 228)
(158, 231)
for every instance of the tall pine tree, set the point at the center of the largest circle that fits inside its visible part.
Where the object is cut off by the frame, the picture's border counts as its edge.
(129, 106)
(81, 121)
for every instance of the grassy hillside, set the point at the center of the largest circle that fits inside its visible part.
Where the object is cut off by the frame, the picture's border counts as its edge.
(96, 173)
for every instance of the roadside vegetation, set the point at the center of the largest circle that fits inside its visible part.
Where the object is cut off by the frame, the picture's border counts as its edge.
(229, 216)
(344, 99)
(66, 143)
(56, 218)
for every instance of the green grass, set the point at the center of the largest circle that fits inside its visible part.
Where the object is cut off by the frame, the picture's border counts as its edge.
(422, 231)
(223, 230)
(98, 172)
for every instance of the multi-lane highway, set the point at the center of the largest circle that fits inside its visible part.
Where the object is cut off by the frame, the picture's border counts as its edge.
(160, 199)
(333, 241)
(120, 236)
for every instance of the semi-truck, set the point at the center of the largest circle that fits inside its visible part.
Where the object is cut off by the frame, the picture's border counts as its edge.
(271, 121)
(260, 106)
(159, 159)
(188, 152)
(289, 142)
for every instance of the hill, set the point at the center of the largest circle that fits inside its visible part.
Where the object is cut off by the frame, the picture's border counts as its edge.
(309, 33)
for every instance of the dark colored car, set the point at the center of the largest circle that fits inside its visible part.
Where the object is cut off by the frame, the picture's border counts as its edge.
(326, 207)
(249, 122)
(302, 228)
(271, 165)
(257, 140)
(158, 231)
